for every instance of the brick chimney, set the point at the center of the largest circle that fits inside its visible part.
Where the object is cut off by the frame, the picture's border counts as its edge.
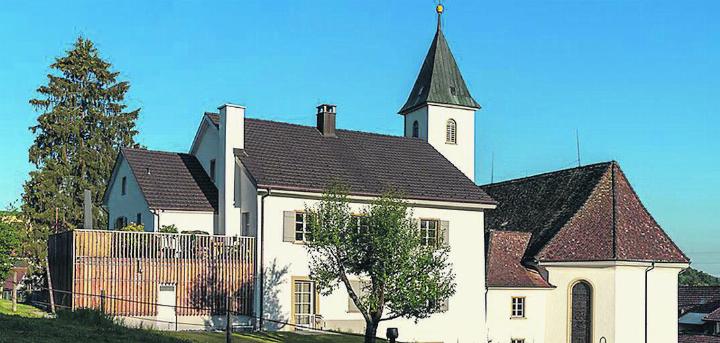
(326, 120)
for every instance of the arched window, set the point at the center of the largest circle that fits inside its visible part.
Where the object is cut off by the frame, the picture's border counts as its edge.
(451, 132)
(581, 313)
(416, 129)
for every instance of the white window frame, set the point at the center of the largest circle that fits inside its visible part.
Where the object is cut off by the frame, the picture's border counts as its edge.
(451, 131)
(517, 307)
(425, 230)
(301, 317)
(302, 232)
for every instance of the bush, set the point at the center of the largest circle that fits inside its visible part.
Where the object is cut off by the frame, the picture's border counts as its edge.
(169, 228)
(132, 227)
(87, 316)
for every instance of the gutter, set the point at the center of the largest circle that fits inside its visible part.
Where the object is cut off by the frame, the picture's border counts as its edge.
(647, 270)
(262, 257)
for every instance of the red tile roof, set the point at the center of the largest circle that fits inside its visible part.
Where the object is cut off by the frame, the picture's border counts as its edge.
(696, 338)
(504, 261)
(589, 213)
(690, 297)
(714, 316)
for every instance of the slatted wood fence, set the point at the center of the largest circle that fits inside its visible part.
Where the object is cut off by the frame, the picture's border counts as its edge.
(209, 273)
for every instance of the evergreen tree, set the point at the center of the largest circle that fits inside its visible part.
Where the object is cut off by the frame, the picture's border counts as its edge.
(82, 124)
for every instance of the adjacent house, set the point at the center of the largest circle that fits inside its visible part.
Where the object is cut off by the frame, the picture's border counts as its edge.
(699, 312)
(566, 256)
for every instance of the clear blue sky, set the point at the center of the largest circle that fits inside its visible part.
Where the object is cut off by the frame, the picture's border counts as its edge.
(640, 80)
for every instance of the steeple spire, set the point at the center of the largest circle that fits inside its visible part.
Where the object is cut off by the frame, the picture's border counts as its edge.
(439, 80)
(439, 9)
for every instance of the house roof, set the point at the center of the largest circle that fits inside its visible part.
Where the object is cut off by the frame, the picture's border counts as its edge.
(439, 80)
(589, 213)
(294, 157)
(504, 261)
(21, 272)
(690, 297)
(172, 181)
(698, 338)
(714, 316)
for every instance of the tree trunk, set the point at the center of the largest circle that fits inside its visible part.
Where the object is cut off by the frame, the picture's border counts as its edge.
(370, 332)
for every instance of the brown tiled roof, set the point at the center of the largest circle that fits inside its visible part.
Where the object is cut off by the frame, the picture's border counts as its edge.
(294, 157)
(504, 261)
(690, 297)
(714, 316)
(214, 118)
(589, 213)
(172, 181)
(698, 338)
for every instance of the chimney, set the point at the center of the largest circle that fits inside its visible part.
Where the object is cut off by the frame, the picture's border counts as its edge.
(232, 136)
(326, 120)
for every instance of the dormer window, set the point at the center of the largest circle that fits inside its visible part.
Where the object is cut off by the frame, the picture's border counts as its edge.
(416, 129)
(451, 132)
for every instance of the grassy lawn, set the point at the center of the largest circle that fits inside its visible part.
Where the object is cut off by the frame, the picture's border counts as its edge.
(31, 325)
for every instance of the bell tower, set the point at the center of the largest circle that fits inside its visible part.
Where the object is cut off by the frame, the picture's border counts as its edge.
(440, 109)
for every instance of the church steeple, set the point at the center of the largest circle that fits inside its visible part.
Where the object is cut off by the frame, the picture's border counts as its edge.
(439, 80)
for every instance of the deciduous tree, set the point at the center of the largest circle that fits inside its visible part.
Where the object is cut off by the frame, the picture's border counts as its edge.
(381, 245)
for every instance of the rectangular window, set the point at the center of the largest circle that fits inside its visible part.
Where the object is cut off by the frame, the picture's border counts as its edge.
(123, 187)
(429, 232)
(304, 302)
(245, 223)
(517, 340)
(518, 307)
(212, 169)
(139, 218)
(302, 232)
(360, 222)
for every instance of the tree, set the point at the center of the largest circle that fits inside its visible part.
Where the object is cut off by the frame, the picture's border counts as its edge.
(9, 245)
(81, 126)
(401, 277)
(694, 277)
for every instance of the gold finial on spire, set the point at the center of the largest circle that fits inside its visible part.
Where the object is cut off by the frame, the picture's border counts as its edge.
(439, 9)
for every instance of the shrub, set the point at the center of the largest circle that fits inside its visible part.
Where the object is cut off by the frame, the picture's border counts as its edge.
(132, 227)
(169, 228)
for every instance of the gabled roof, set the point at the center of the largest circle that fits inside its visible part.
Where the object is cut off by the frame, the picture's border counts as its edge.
(589, 213)
(294, 157)
(714, 316)
(692, 296)
(439, 80)
(505, 252)
(172, 181)
(697, 338)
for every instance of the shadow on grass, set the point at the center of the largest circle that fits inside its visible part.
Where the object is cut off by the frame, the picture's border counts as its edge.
(71, 327)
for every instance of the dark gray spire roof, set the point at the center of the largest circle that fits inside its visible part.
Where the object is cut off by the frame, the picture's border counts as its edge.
(439, 80)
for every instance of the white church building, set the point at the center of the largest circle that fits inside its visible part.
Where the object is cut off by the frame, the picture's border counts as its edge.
(570, 256)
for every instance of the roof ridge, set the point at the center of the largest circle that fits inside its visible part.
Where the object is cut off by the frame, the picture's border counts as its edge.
(338, 130)
(546, 174)
(154, 151)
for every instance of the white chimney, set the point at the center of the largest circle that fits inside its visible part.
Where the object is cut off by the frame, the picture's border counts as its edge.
(232, 136)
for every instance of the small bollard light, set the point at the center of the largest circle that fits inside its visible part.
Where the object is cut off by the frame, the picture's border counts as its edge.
(392, 334)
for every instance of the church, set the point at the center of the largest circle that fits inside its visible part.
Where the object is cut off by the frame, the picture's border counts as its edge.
(565, 256)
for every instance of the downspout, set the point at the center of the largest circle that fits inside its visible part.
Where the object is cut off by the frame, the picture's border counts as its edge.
(647, 270)
(262, 257)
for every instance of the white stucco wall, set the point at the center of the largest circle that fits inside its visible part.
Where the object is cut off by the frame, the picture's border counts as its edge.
(500, 324)
(432, 120)
(618, 300)
(187, 220)
(206, 147)
(130, 204)
(463, 322)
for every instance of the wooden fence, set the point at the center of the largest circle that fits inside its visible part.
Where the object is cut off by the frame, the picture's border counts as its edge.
(209, 273)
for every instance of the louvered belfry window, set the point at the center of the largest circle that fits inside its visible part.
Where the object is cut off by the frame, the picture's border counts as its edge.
(581, 313)
(451, 132)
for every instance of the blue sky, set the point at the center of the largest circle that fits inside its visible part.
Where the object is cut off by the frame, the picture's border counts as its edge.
(638, 79)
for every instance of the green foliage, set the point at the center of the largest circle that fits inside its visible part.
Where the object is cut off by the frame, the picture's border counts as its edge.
(9, 247)
(401, 276)
(169, 228)
(694, 277)
(132, 227)
(81, 126)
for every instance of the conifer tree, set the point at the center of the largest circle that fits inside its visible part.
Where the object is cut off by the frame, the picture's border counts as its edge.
(82, 124)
